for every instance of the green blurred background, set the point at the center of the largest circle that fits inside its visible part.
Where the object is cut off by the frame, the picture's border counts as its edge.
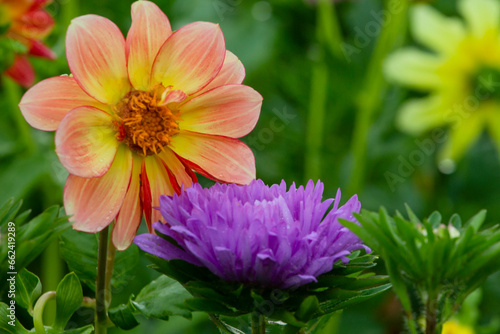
(310, 125)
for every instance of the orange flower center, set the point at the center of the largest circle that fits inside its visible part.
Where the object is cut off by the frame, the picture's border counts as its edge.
(145, 125)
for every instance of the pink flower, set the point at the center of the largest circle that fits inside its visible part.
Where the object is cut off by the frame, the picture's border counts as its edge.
(139, 114)
(28, 24)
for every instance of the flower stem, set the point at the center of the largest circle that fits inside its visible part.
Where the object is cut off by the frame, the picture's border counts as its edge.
(374, 88)
(258, 323)
(101, 313)
(110, 264)
(431, 315)
(328, 37)
(38, 311)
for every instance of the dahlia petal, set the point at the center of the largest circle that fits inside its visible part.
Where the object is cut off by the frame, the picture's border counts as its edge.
(94, 203)
(173, 96)
(414, 68)
(224, 159)
(190, 58)
(45, 104)
(176, 167)
(85, 142)
(159, 183)
(481, 15)
(150, 29)
(145, 195)
(95, 49)
(419, 115)
(34, 24)
(229, 110)
(41, 50)
(434, 30)
(462, 136)
(130, 215)
(21, 71)
(231, 73)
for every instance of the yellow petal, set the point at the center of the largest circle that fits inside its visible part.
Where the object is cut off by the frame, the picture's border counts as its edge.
(414, 68)
(481, 15)
(436, 31)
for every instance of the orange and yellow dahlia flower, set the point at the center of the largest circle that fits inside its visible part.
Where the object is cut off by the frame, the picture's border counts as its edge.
(138, 115)
(27, 23)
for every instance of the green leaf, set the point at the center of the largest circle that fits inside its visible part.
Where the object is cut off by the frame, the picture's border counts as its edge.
(82, 330)
(8, 322)
(477, 220)
(435, 219)
(308, 308)
(69, 297)
(210, 306)
(9, 210)
(163, 298)
(32, 237)
(123, 316)
(79, 250)
(28, 289)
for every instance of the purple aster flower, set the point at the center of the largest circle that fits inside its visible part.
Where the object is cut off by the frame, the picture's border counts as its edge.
(255, 234)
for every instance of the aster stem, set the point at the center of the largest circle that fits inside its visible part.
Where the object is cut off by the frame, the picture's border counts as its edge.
(258, 323)
(101, 312)
(431, 315)
(374, 88)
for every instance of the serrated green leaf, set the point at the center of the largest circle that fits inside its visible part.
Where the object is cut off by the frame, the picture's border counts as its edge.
(28, 289)
(163, 298)
(69, 297)
(123, 316)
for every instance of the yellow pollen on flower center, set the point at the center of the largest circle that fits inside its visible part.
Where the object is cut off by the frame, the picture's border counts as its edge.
(144, 124)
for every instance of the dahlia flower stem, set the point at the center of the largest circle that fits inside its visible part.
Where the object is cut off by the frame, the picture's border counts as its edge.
(13, 92)
(101, 312)
(110, 264)
(258, 323)
(374, 88)
(38, 311)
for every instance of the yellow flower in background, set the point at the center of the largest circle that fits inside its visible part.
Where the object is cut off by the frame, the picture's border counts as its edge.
(460, 74)
(453, 327)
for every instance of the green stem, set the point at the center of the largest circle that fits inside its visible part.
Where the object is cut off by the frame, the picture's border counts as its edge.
(329, 27)
(374, 88)
(13, 93)
(110, 264)
(315, 121)
(38, 311)
(52, 273)
(431, 315)
(258, 323)
(101, 313)
(327, 35)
